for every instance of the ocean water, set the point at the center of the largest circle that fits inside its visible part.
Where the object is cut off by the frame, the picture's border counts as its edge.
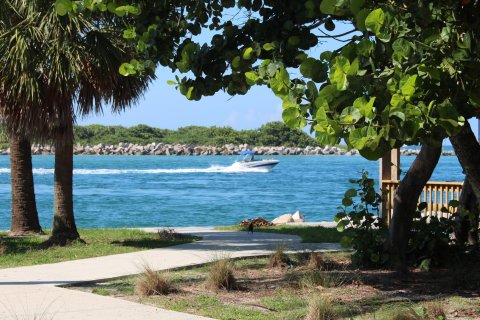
(134, 191)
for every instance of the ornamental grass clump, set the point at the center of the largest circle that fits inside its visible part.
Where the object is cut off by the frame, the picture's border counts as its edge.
(315, 261)
(278, 258)
(321, 309)
(221, 275)
(434, 310)
(152, 282)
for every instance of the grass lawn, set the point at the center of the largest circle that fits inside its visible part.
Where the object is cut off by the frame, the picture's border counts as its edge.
(307, 233)
(26, 251)
(284, 293)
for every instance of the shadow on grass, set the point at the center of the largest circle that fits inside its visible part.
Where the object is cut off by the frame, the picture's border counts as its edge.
(459, 275)
(153, 243)
(21, 245)
(16, 245)
(309, 234)
(253, 266)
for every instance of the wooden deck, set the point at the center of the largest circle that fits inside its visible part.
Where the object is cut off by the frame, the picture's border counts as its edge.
(435, 194)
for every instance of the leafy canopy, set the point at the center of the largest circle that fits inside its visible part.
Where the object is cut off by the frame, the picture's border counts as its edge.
(405, 73)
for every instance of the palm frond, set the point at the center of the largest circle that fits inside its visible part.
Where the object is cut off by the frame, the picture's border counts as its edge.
(51, 66)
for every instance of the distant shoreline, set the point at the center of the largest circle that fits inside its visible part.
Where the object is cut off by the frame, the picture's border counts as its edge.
(161, 149)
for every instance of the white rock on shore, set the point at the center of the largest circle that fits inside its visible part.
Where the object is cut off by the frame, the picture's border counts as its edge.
(298, 216)
(283, 219)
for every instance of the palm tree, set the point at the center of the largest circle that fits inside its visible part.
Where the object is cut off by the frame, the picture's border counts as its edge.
(77, 73)
(24, 211)
(24, 208)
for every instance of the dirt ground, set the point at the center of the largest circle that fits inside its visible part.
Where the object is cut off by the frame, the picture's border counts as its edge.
(270, 290)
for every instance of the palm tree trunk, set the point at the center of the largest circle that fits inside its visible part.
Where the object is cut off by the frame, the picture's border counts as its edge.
(405, 202)
(24, 208)
(64, 230)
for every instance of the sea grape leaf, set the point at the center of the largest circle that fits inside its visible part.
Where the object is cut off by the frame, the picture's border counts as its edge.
(338, 73)
(127, 69)
(314, 69)
(375, 20)
(247, 54)
(350, 115)
(351, 193)
(63, 7)
(408, 85)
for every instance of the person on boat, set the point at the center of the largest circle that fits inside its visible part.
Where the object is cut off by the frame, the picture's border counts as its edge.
(250, 152)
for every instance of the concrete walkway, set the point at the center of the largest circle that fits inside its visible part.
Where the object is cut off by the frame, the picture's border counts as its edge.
(32, 292)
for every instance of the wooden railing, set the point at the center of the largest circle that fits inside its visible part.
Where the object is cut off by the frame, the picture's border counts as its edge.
(435, 194)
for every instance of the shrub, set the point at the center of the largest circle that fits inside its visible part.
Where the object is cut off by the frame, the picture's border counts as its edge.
(321, 309)
(367, 233)
(278, 258)
(151, 282)
(271, 134)
(220, 275)
(430, 241)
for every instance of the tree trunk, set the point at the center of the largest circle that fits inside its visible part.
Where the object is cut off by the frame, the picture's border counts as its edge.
(64, 230)
(405, 203)
(467, 150)
(24, 208)
(466, 228)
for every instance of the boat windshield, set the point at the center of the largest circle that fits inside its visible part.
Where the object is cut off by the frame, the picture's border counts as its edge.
(248, 157)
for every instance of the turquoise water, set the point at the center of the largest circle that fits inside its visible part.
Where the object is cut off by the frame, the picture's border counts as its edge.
(116, 191)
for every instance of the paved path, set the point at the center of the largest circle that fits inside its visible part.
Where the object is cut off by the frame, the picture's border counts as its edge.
(32, 293)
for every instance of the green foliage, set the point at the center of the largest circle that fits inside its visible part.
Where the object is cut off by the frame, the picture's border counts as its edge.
(431, 243)
(270, 134)
(278, 134)
(367, 233)
(415, 63)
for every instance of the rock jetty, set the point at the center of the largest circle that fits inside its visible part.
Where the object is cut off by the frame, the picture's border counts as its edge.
(161, 149)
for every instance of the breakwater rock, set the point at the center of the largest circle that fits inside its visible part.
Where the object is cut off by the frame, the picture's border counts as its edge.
(161, 149)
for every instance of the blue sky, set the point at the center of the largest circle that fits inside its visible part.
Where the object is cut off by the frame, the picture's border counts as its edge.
(165, 107)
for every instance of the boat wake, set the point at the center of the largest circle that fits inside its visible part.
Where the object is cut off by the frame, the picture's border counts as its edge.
(234, 168)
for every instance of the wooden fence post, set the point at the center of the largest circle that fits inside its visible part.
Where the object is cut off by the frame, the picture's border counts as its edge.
(389, 170)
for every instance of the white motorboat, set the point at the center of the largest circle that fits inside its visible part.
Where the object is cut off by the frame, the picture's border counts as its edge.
(249, 161)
